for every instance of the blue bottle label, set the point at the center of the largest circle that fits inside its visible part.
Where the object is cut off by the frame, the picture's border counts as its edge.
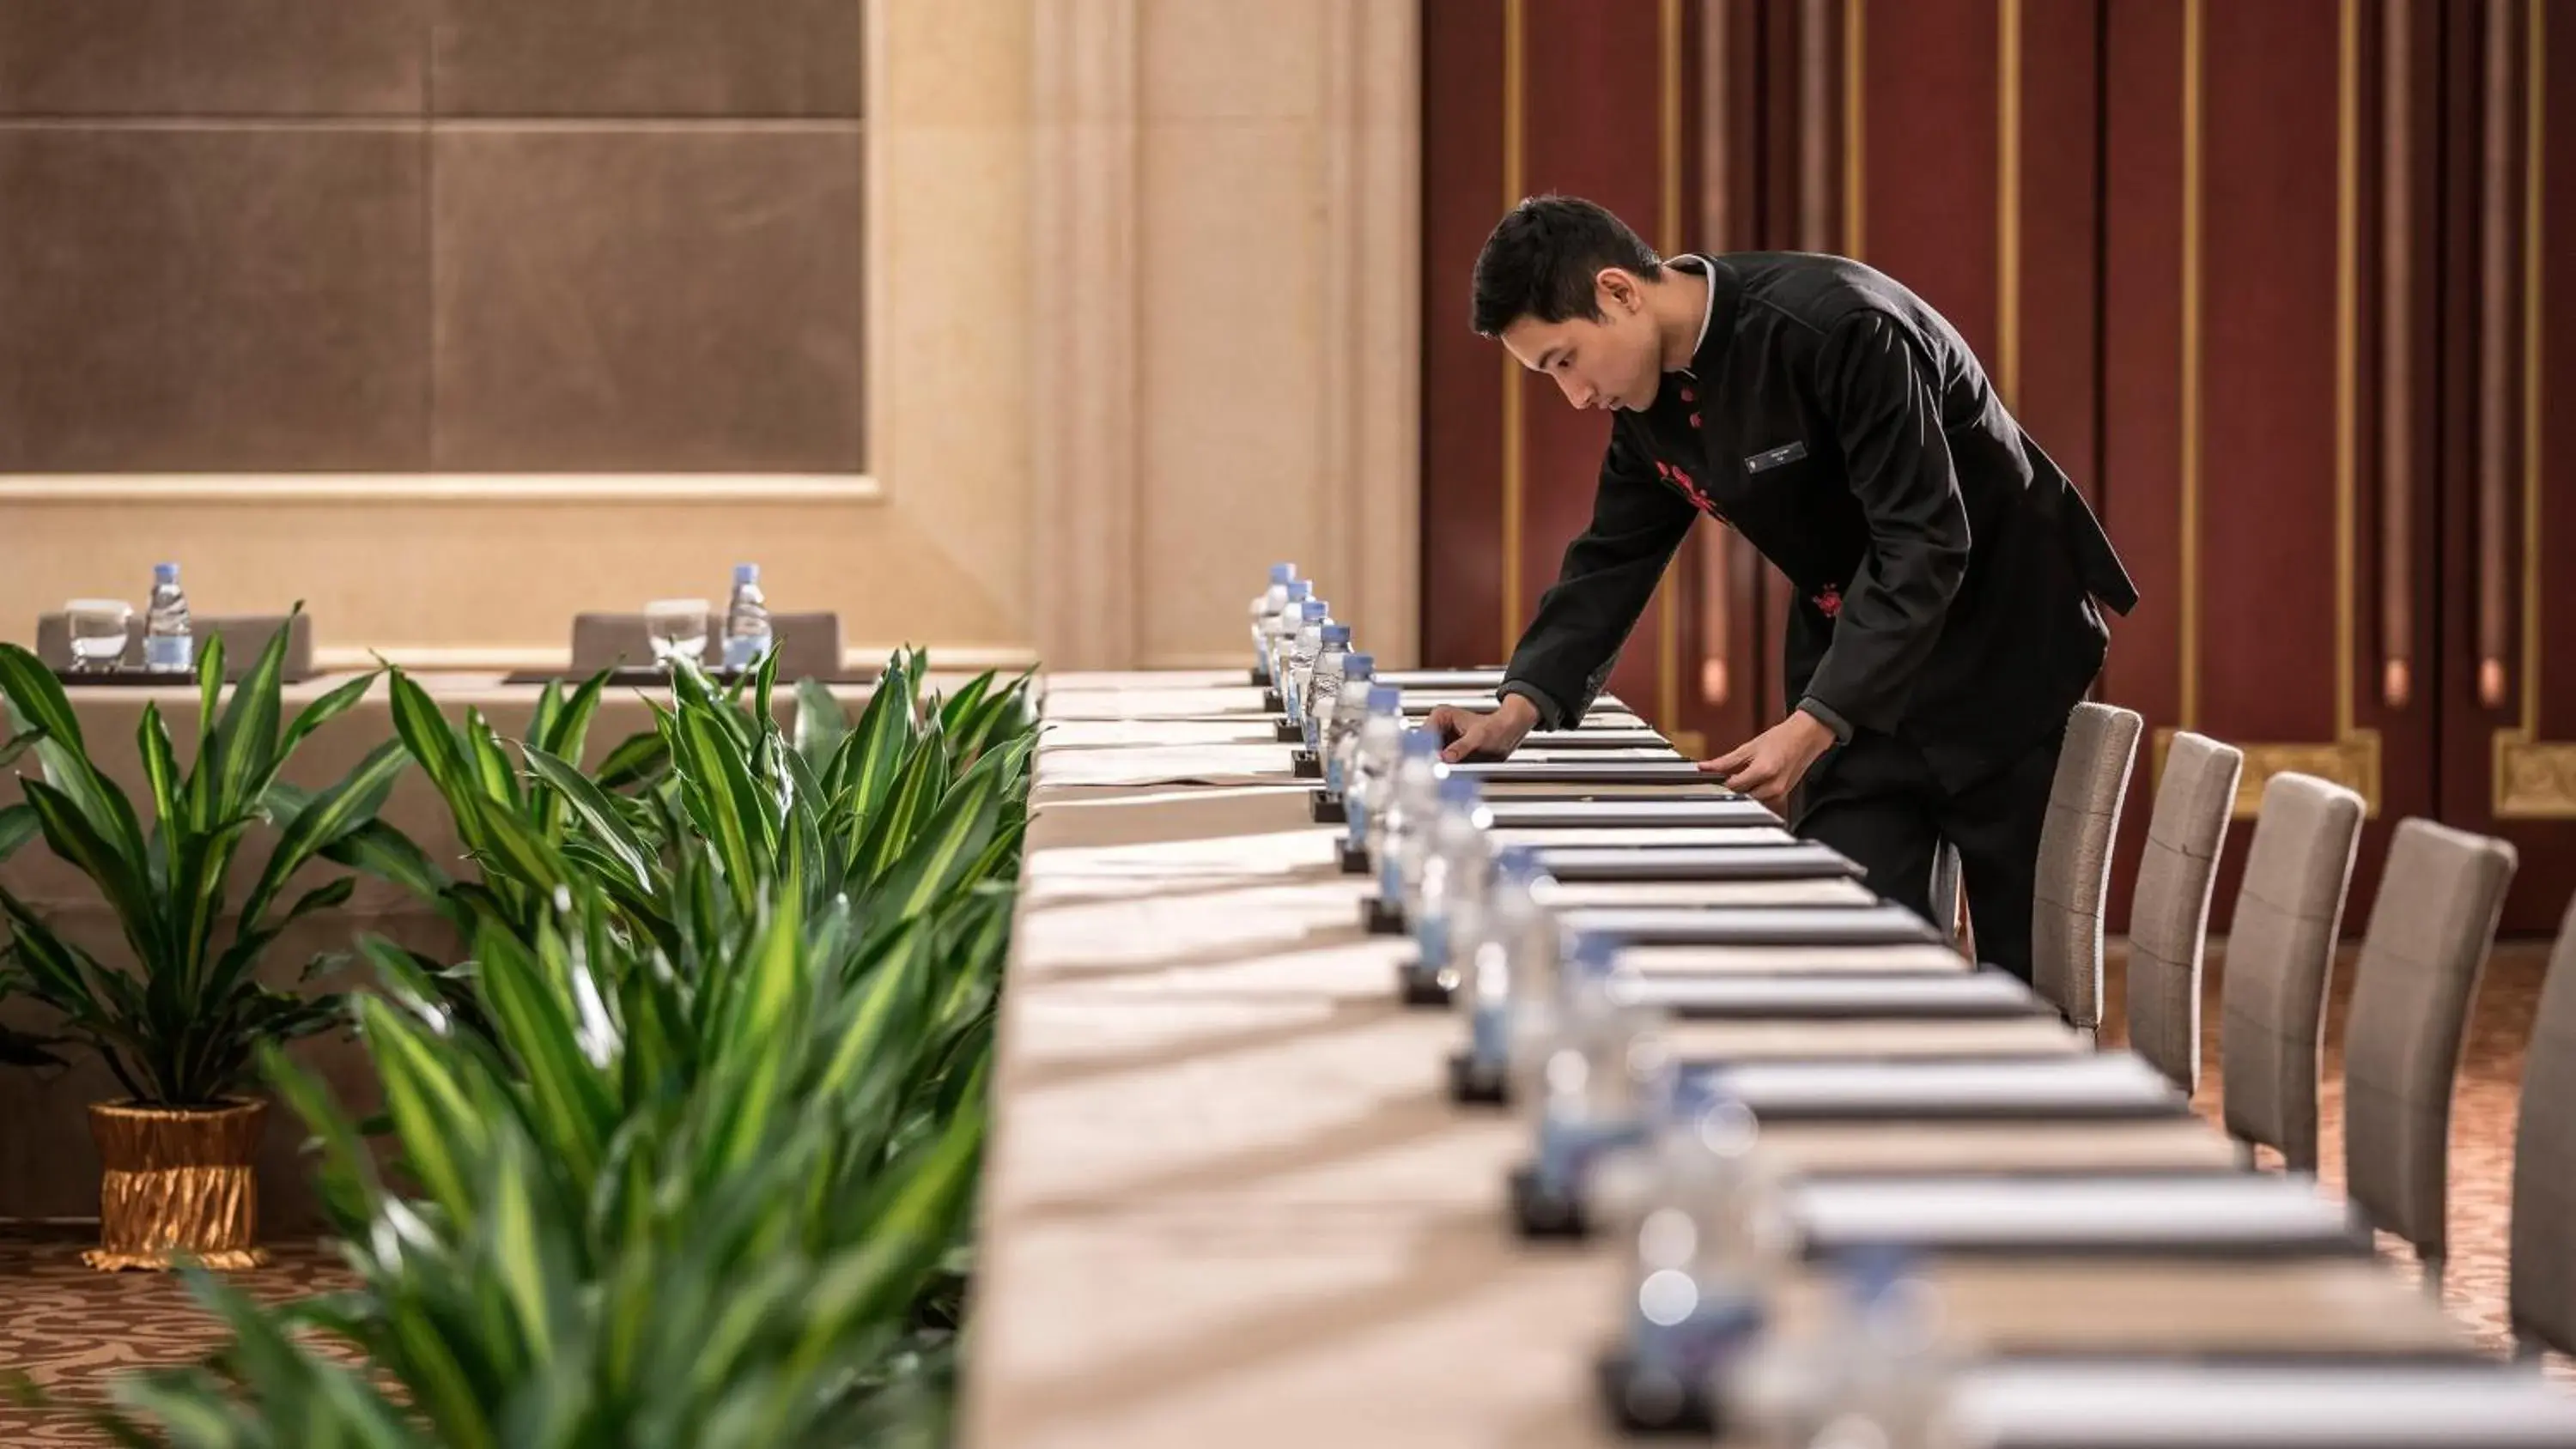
(1717, 1330)
(1567, 1150)
(1487, 1036)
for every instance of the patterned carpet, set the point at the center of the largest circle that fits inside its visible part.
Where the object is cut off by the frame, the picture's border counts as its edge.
(71, 1329)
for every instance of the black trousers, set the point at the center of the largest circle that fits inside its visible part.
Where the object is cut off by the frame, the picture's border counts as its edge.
(1875, 800)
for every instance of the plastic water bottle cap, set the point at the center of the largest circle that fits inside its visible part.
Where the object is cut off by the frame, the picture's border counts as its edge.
(1517, 860)
(167, 573)
(1299, 588)
(1281, 573)
(746, 573)
(1337, 634)
(1459, 790)
(1385, 699)
(1421, 742)
(1358, 666)
(1315, 610)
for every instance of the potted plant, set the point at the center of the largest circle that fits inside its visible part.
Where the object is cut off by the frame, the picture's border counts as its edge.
(180, 1018)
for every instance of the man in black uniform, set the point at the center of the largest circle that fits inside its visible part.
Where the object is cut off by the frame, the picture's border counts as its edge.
(1948, 577)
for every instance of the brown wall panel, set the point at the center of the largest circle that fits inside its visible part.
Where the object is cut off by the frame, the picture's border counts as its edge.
(212, 298)
(623, 300)
(211, 57)
(2142, 405)
(2267, 366)
(1462, 380)
(2051, 362)
(1591, 128)
(648, 58)
(1928, 155)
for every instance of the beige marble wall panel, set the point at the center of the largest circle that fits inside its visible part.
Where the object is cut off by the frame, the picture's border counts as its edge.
(1232, 367)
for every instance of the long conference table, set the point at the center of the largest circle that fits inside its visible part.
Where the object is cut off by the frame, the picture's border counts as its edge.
(1230, 1200)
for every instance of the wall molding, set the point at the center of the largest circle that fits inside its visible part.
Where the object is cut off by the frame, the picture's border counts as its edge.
(1085, 414)
(1371, 386)
(466, 488)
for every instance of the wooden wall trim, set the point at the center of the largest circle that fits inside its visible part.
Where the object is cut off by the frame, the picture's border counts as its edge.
(1372, 288)
(2533, 778)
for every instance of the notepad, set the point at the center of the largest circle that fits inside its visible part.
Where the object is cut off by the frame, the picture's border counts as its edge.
(1968, 994)
(1681, 864)
(1871, 925)
(2206, 1404)
(2247, 1213)
(2103, 1085)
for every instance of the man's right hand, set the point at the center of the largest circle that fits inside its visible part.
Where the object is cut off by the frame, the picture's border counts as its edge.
(1466, 735)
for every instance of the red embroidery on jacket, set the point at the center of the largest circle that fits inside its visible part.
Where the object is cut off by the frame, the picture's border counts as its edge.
(1829, 600)
(1682, 481)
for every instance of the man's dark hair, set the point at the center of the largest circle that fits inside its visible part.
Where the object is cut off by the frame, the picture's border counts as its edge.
(1541, 259)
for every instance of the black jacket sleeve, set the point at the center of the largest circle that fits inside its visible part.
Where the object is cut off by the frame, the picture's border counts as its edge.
(1888, 422)
(1608, 575)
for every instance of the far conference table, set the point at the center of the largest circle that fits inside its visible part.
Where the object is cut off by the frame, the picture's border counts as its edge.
(110, 716)
(1228, 1201)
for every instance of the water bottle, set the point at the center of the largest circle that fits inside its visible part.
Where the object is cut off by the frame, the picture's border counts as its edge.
(168, 648)
(746, 621)
(1343, 715)
(1412, 800)
(1489, 988)
(1457, 860)
(1705, 1258)
(1871, 1374)
(1314, 617)
(1588, 1085)
(1324, 681)
(1279, 627)
(1368, 762)
(1265, 607)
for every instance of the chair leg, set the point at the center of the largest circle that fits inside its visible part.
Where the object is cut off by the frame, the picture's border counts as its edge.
(2245, 1157)
(2432, 1273)
(2528, 1350)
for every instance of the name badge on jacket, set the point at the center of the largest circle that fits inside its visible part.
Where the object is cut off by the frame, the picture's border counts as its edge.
(1785, 453)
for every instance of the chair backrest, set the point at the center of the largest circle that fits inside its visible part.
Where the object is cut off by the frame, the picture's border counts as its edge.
(2280, 958)
(808, 645)
(2169, 915)
(2074, 874)
(2541, 1300)
(244, 636)
(2420, 959)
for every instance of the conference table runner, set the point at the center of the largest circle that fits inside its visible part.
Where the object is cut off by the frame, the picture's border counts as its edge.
(1229, 1199)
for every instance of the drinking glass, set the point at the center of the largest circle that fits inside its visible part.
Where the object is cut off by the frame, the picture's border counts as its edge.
(98, 632)
(677, 629)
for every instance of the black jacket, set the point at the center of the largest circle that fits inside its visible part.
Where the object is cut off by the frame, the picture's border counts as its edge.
(1946, 571)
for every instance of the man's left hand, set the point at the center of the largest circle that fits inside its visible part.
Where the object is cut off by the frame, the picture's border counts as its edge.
(1770, 765)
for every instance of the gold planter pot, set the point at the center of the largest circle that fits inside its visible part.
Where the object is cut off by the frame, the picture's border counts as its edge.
(179, 1184)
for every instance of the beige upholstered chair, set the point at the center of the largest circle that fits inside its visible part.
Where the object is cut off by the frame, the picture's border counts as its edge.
(809, 645)
(244, 636)
(2169, 915)
(2280, 958)
(2074, 874)
(2420, 961)
(2541, 1299)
